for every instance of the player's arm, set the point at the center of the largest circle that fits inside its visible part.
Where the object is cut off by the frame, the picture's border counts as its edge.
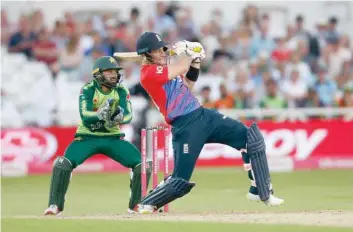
(180, 67)
(86, 106)
(159, 75)
(192, 75)
(88, 115)
(125, 104)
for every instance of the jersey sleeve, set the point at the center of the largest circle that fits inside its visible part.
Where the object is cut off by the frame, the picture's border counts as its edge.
(125, 103)
(156, 74)
(86, 106)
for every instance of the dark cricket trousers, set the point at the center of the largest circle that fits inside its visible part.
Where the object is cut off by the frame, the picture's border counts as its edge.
(115, 147)
(192, 131)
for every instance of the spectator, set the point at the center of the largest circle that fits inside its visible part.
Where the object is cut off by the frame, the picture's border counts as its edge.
(300, 32)
(222, 51)
(206, 97)
(131, 74)
(244, 84)
(281, 52)
(59, 35)
(345, 42)
(123, 36)
(337, 56)
(279, 73)
(97, 44)
(295, 89)
(254, 74)
(44, 49)
(134, 26)
(300, 66)
(86, 41)
(251, 18)
(114, 44)
(264, 62)
(262, 42)
(325, 87)
(347, 98)
(37, 21)
(272, 99)
(313, 99)
(216, 22)
(85, 69)
(209, 42)
(88, 27)
(226, 100)
(71, 57)
(6, 28)
(305, 56)
(162, 22)
(172, 9)
(317, 40)
(240, 100)
(332, 27)
(185, 24)
(70, 21)
(22, 41)
(242, 51)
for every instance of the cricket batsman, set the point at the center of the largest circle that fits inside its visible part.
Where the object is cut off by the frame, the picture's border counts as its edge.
(194, 126)
(104, 104)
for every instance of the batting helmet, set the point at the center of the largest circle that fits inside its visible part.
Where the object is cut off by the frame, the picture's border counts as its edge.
(150, 41)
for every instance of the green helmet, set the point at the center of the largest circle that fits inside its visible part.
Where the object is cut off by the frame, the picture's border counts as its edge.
(106, 63)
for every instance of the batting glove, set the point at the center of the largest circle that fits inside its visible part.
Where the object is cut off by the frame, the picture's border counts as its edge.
(179, 48)
(104, 110)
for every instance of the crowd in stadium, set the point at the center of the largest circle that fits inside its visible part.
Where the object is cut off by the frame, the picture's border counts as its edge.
(299, 68)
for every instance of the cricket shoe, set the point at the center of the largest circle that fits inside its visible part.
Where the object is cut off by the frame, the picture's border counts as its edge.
(52, 210)
(146, 209)
(132, 211)
(272, 200)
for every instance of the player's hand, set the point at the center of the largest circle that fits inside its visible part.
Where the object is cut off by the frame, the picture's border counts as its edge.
(179, 48)
(104, 110)
(196, 51)
(116, 118)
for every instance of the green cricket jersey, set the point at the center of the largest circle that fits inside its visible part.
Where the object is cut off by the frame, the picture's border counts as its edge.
(91, 98)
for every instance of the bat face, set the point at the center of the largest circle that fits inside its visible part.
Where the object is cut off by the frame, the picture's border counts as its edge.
(134, 57)
(128, 56)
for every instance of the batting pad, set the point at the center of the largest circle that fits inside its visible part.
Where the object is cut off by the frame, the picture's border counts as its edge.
(60, 182)
(167, 192)
(135, 184)
(256, 150)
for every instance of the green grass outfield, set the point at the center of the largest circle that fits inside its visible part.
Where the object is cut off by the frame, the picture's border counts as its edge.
(98, 202)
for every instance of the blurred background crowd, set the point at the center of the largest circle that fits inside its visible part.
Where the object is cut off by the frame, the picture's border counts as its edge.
(246, 66)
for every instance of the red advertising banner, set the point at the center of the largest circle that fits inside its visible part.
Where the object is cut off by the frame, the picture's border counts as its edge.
(290, 146)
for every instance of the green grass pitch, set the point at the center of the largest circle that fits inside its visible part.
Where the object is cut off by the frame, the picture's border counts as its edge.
(314, 201)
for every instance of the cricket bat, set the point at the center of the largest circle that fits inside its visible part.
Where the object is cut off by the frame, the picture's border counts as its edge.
(134, 57)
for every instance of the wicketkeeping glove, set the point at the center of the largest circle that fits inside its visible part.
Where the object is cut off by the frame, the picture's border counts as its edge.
(104, 110)
(116, 118)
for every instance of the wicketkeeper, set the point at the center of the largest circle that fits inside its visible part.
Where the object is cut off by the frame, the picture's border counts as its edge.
(104, 106)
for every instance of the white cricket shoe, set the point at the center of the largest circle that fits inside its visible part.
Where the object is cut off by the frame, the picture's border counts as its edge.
(272, 201)
(131, 211)
(146, 209)
(52, 210)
